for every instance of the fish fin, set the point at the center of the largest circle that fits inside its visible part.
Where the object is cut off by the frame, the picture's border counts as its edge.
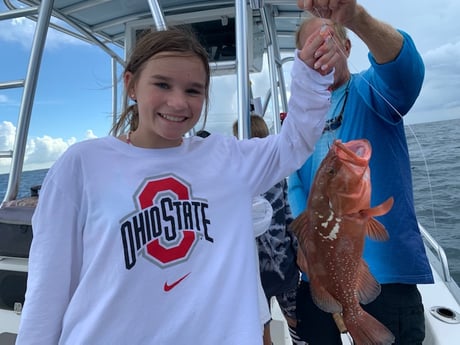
(297, 227)
(323, 299)
(367, 287)
(376, 230)
(298, 224)
(302, 260)
(381, 209)
(365, 329)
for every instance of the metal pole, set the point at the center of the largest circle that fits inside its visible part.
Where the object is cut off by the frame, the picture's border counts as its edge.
(114, 91)
(241, 29)
(275, 66)
(157, 14)
(38, 44)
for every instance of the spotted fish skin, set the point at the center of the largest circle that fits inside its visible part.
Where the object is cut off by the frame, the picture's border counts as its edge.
(331, 234)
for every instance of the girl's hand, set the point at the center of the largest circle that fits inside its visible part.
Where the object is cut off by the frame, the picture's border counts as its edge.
(319, 51)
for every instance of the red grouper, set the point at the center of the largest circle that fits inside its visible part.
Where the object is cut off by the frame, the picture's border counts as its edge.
(331, 233)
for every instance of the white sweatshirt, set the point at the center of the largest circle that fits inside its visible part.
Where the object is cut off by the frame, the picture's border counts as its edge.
(151, 246)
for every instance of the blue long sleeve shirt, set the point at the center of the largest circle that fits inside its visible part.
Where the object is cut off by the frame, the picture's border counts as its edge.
(378, 98)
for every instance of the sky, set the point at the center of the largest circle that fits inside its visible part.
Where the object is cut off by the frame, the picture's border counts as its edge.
(73, 97)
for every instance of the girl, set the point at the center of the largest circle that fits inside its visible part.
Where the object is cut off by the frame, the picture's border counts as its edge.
(141, 238)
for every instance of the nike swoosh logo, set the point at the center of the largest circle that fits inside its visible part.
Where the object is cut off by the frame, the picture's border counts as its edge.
(168, 287)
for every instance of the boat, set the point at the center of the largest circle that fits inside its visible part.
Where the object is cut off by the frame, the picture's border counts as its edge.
(232, 31)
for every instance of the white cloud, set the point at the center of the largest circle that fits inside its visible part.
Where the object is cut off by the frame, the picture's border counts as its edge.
(90, 134)
(439, 96)
(7, 134)
(445, 57)
(17, 30)
(41, 152)
(21, 30)
(45, 150)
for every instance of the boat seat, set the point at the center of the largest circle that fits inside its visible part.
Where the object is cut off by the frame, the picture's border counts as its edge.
(15, 240)
(16, 227)
(7, 338)
(13, 286)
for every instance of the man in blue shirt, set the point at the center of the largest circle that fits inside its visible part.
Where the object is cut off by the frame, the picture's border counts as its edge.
(371, 105)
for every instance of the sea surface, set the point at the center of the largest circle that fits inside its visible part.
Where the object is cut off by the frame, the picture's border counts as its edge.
(435, 159)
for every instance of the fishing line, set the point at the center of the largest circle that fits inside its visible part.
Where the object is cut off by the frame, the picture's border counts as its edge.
(418, 144)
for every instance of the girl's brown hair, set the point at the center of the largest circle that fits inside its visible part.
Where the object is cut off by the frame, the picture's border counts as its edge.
(259, 128)
(174, 40)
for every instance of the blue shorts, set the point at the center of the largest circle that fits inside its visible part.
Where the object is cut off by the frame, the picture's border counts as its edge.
(399, 307)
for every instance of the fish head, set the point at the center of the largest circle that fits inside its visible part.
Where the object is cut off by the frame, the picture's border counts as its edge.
(346, 167)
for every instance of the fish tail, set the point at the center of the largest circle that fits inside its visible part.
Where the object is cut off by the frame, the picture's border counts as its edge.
(366, 330)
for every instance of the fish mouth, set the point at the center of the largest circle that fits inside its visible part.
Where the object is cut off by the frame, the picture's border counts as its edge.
(356, 151)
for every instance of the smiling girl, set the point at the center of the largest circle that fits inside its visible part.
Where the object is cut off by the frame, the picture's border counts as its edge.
(142, 237)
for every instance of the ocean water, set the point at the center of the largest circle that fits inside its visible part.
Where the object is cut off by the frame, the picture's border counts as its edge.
(435, 159)
(28, 180)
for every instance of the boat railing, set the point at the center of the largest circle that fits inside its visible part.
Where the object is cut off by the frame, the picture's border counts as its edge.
(438, 251)
(42, 15)
(6, 154)
(438, 260)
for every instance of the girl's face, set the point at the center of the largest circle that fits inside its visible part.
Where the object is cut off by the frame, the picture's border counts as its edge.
(170, 94)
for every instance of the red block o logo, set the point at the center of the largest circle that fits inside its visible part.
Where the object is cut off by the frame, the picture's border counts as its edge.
(155, 248)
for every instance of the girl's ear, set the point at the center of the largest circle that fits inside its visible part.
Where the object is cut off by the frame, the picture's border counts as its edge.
(347, 47)
(129, 85)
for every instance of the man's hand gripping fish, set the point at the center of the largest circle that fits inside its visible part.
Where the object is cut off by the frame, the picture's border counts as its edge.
(331, 233)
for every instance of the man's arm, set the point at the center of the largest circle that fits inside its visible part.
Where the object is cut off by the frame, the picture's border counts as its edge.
(383, 41)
